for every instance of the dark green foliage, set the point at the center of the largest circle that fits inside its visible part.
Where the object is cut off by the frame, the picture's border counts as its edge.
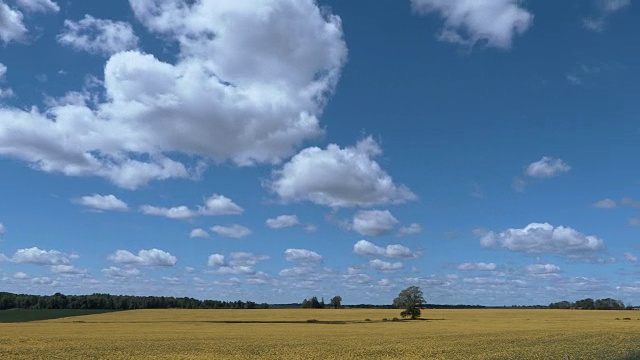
(631, 356)
(590, 304)
(24, 315)
(115, 302)
(313, 303)
(336, 301)
(410, 299)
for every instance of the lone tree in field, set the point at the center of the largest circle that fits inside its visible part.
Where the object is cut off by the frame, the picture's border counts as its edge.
(336, 301)
(409, 299)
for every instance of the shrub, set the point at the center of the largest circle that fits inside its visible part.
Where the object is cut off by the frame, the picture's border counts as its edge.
(395, 319)
(312, 320)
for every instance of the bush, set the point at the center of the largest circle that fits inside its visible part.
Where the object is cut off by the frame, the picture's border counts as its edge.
(367, 319)
(395, 319)
(312, 320)
(385, 319)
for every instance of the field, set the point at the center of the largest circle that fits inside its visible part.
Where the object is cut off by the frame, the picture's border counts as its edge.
(22, 315)
(338, 334)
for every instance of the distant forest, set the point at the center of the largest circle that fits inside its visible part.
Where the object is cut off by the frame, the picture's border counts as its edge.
(590, 304)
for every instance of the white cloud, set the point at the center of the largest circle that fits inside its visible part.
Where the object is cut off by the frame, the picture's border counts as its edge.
(247, 86)
(282, 221)
(11, 26)
(4, 93)
(43, 281)
(67, 269)
(366, 248)
(410, 230)
(338, 177)
(479, 266)
(121, 273)
(38, 5)
(246, 259)
(2, 229)
(605, 204)
(384, 266)
(374, 222)
(98, 36)
(630, 257)
(604, 8)
(21, 276)
(233, 231)
(538, 238)
(216, 260)
(199, 233)
(298, 271)
(37, 256)
(547, 167)
(103, 202)
(542, 269)
(630, 202)
(153, 257)
(495, 22)
(302, 256)
(214, 205)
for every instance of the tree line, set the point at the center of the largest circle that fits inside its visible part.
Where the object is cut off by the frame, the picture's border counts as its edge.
(590, 304)
(117, 302)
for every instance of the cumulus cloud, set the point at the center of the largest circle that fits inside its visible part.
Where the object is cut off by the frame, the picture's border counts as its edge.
(67, 270)
(11, 24)
(117, 272)
(410, 230)
(479, 266)
(366, 248)
(8, 92)
(302, 256)
(384, 266)
(537, 238)
(214, 205)
(153, 257)
(494, 22)
(98, 36)
(38, 256)
(248, 84)
(38, 5)
(282, 221)
(233, 231)
(199, 233)
(103, 202)
(541, 269)
(605, 204)
(374, 222)
(216, 260)
(240, 263)
(21, 275)
(338, 177)
(547, 167)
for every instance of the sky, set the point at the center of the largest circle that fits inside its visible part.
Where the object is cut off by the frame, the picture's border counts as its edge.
(275, 150)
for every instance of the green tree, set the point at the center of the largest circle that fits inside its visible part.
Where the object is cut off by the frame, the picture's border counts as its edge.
(410, 299)
(336, 301)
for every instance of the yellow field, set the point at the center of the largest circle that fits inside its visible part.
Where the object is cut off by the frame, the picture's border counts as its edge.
(447, 334)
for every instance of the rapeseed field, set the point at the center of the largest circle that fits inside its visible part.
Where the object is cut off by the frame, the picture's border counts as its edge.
(338, 334)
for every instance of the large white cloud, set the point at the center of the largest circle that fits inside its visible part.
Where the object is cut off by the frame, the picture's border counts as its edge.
(153, 257)
(98, 36)
(103, 202)
(12, 27)
(38, 256)
(366, 248)
(338, 177)
(468, 22)
(250, 81)
(214, 205)
(537, 238)
(374, 222)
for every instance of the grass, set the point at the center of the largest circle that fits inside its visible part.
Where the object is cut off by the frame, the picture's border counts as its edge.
(286, 334)
(23, 315)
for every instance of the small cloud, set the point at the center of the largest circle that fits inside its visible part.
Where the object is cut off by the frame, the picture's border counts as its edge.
(103, 202)
(21, 276)
(310, 228)
(374, 222)
(630, 202)
(199, 233)
(385, 266)
(518, 184)
(117, 272)
(43, 6)
(98, 36)
(302, 256)
(547, 167)
(366, 248)
(479, 266)
(234, 231)
(539, 269)
(282, 221)
(153, 257)
(605, 204)
(630, 257)
(2, 229)
(633, 221)
(410, 230)
(214, 205)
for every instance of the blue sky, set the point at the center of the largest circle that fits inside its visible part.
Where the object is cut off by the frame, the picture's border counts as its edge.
(274, 150)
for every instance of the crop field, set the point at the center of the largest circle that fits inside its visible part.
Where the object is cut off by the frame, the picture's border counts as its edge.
(337, 334)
